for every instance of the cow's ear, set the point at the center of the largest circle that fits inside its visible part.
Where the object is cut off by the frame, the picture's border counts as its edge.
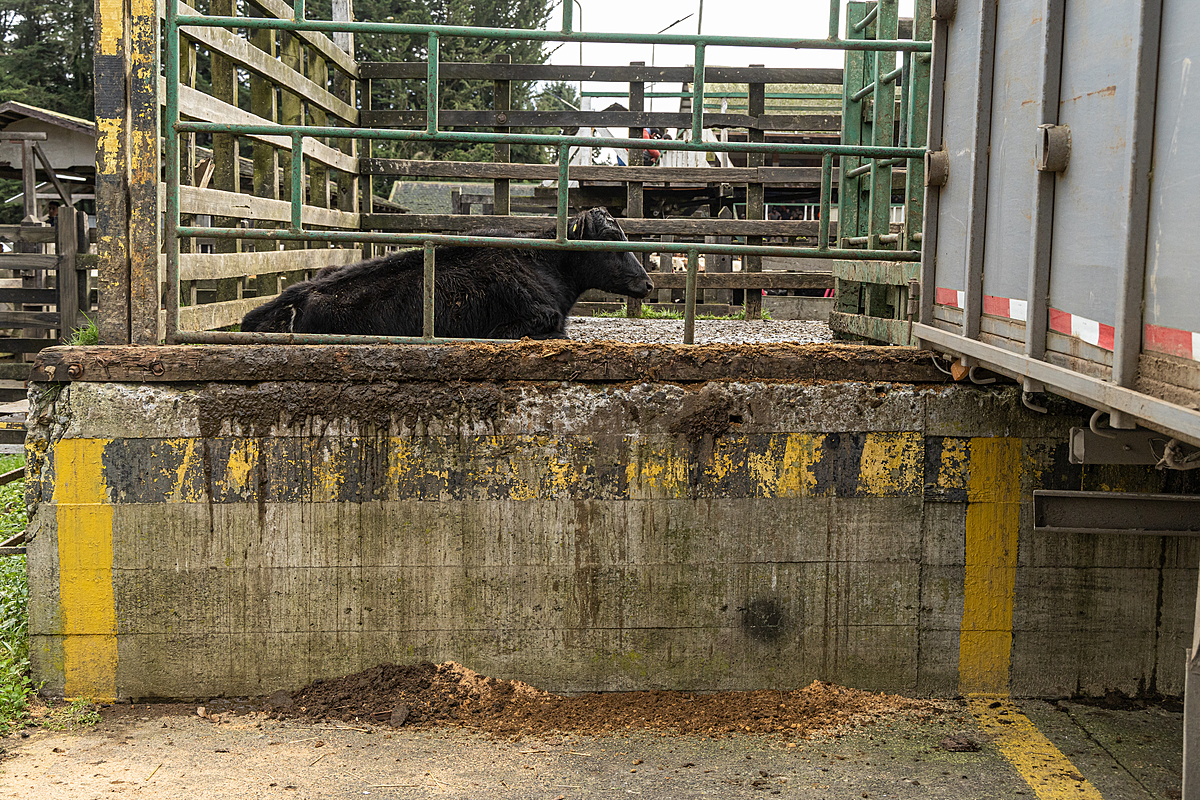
(575, 228)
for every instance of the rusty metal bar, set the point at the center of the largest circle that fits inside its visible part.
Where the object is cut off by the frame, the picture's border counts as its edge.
(689, 297)
(698, 94)
(330, 26)
(826, 192)
(564, 170)
(429, 291)
(297, 180)
(418, 239)
(862, 151)
(431, 87)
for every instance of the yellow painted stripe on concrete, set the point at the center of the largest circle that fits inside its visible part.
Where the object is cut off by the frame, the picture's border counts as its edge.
(993, 524)
(85, 559)
(891, 463)
(1048, 772)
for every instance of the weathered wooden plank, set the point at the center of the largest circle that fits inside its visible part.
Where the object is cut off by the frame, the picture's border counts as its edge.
(210, 316)
(681, 227)
(28, 261)
(755, 193)
(890, 272)
(18, 345)
(193, 200)
(542, 172)
(215, 266)
(745, 280)
(372, 70)
(251, 58)
(195, 104)
(897, 331)
(43, 297)
(612, 119)
(501, 361)
(28, 319)
(318, 41)
(26, 233)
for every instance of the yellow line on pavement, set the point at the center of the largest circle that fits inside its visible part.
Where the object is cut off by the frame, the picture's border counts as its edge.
(1048, 772)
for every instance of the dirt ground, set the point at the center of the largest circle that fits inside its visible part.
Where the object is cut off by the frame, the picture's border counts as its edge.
(424, 695)
(443, 731)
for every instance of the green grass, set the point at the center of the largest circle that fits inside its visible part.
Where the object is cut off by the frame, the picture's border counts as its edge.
(86, 336)
(15, 686)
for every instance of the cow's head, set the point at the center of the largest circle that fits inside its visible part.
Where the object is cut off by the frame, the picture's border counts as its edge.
(617, 272)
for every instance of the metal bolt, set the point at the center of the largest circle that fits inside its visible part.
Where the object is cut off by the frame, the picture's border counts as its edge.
(157, 369)
(501, 118)
(75, 371)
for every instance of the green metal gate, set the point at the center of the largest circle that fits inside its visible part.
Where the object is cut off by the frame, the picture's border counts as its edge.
(873, 159)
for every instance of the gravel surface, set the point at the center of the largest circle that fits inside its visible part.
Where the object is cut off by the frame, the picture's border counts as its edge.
(708, 331)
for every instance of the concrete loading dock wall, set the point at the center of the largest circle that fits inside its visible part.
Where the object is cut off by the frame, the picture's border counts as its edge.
(230, 521)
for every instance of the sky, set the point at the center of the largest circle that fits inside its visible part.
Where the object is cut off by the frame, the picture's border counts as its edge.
(773, 18)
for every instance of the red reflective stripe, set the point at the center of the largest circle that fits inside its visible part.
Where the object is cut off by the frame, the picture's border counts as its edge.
(1060, 321)
(996, 306)
(1171, 341)
(946, 297)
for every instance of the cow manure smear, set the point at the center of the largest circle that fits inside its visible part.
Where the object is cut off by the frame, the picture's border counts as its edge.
(428, 695)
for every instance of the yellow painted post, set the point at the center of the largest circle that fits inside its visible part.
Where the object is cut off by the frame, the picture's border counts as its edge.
(144, 174)
(85, 563)
(112, 203)
(993, 525)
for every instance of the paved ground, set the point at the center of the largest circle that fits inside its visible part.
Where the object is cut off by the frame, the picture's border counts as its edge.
(165, 751)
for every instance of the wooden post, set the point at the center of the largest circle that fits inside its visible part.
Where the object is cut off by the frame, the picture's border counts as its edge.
(263, 103)
(226, 150)
(110, 69)
(67, 246)
(291, 112)
(318, 174)
(755, 197)
(665, 295)
(721, 263)
(344, 89)
(634, 191)
(502, 94)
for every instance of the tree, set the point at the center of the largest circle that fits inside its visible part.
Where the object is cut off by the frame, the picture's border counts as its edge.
(456, 94)
(46, 55)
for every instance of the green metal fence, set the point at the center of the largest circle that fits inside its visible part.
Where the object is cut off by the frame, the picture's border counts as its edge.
(876, 157)
(877, 298)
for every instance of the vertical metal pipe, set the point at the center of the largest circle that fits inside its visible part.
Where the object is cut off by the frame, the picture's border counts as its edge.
(171, 155)
(568, 12)
(835, 10)
(564, 156)
(1127, 335)
(826, 191)
(298, 10)
(689, 301)
(297, 180)
(698, 93)
(1042, 210)
(431, 86)
(427, 326)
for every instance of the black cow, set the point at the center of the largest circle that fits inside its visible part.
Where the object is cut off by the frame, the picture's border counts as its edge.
(480, 292)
